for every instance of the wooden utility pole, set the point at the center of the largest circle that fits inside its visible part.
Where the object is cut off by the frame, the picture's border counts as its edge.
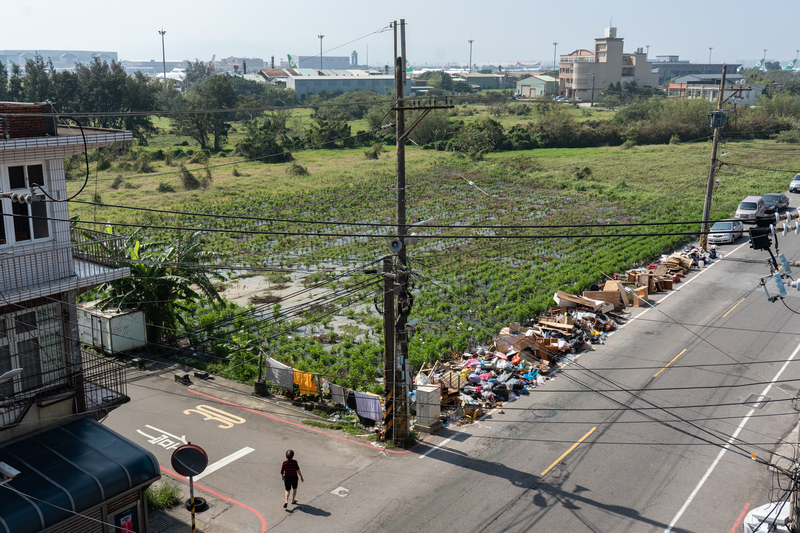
(713, 168)
(388, 341)
(396, 365)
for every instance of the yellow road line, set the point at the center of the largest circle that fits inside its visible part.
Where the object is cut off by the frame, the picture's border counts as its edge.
(673, 360)
(732, 308)
(568, 451)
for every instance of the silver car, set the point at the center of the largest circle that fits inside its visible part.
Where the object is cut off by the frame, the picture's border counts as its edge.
(726, 231)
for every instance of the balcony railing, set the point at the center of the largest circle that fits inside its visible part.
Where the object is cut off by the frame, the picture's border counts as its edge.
(91, 258)
(98, 247)
(103, 382)
(99, 384)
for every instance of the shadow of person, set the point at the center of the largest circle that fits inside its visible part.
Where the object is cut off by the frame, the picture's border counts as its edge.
(310, 509)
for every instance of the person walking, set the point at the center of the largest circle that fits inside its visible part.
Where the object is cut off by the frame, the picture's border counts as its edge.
(289, 472)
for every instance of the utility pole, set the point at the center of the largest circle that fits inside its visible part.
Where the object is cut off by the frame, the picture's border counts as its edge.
(470, 54)
(713, 168)
(710, 48)
(396, 366)
(162, 31)
(388, 340)
(594, 77)
(320, 50)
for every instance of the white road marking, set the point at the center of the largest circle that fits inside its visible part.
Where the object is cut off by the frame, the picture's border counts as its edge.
(340, 491)
(224, 461)
(445, 441)
(683, 284)
(725, 449)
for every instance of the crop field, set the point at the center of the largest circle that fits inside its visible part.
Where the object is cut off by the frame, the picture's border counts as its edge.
(497, 236)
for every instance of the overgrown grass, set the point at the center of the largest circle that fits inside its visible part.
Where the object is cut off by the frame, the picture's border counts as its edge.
(163, 496)
(345, 425)
(471, 285)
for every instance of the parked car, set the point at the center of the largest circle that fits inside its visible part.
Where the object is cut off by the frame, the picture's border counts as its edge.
(731, 230)
(560, 98)
(794, 186)
(750, 208)
(775, 202)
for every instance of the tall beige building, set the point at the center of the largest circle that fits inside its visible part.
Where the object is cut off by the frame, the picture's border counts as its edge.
(583, 69)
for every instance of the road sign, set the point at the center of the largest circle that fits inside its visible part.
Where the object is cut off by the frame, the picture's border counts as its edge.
(189, 460)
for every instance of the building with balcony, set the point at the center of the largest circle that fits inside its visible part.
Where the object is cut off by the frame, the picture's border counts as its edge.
(583, 73)
(52, 392)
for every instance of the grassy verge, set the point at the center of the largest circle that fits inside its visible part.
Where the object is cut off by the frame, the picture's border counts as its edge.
(163, 496)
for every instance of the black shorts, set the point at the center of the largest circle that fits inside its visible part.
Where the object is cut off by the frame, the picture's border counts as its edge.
(290, 482)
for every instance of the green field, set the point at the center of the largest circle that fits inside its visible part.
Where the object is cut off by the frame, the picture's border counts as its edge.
(470, 285)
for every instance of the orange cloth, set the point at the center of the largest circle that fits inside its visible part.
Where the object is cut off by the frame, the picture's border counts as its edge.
(305, 381)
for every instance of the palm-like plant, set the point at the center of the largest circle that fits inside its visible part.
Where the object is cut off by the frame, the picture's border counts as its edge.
(164, 277)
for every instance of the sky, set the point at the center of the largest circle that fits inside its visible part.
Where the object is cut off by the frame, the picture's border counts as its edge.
(437, 32)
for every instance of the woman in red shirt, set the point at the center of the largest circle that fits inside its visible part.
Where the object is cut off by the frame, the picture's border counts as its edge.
(289, 472)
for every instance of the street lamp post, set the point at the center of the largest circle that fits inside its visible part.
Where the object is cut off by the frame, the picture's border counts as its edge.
(470, 54)
(648, 51)
(594, 76)
(162, 31)
(764, 62)
(709, 54)
(555, 65)
(320, 50)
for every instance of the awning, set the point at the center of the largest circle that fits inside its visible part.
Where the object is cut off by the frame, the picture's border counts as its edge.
(69, 469)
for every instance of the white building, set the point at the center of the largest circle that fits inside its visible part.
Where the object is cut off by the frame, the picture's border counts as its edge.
(52, 392)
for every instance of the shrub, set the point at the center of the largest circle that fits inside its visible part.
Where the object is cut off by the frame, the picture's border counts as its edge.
(674, 140)
(188, 180)
(236, 171)
(296, 169)
(788, 136)
(168, 156)
(117, 182)
(165, 187)
(142, 164)
(103, 163)
(96, 198)
(164, 496)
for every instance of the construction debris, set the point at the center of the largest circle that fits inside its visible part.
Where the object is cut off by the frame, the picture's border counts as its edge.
(524, 357)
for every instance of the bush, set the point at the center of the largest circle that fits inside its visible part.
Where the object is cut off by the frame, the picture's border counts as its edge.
(164, 496)
(189, 181)
(103, 163)
(788, 136)
(296, 169)
(117, 182)
(165, 187)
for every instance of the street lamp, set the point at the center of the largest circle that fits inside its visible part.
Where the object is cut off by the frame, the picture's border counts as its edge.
(764, 61)
(594, 76)
(648, 50)
(709, 54)
(555, 65)
(320, 50)
(162, 31)
(470, 54)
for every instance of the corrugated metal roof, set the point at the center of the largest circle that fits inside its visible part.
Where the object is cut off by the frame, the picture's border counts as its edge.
(74, 466)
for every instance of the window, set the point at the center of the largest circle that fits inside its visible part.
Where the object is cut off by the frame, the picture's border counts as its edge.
(22, 222)
(31, 339)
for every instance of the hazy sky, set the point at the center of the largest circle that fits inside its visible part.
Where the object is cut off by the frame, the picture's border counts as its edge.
(437, 32)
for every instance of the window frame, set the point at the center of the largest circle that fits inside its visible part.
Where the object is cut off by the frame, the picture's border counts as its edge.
(9, 224)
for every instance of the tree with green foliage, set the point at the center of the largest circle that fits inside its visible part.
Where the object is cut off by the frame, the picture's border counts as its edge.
(266, 137)
(165, 277)
(442, 81)
(212, 93)
(38, 85)
(462, 87)
(3, 83)
(16, 88)
(195, 72)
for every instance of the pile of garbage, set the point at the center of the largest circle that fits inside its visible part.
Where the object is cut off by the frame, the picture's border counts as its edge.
(525, 357)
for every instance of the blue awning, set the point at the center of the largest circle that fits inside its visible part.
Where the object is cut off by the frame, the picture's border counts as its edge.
(69, 469)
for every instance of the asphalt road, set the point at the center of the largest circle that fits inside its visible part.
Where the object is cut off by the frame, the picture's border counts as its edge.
(667, 415)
